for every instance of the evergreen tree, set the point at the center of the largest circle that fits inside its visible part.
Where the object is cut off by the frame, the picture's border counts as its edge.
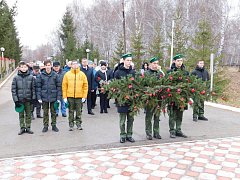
(94, 51)
(119, 51)
(155, 48)
(137, 49)
(180, 37)
(67, 36)
(202, 45)
(8, 32)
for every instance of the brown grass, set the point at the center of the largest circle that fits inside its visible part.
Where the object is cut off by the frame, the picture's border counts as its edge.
(233, 90)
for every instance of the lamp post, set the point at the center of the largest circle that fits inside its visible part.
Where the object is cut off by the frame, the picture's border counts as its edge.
(2, 55)
(172, 43)
(87, 51)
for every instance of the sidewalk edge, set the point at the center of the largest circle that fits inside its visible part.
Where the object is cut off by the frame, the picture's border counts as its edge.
(221, 106)
(5, 80)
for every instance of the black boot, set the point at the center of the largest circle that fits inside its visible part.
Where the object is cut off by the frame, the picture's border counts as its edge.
(22, 130)
(130, 139)
(180, 134)
(45, 129)
(39, 116)
(54, 128)
(157, 136)
(90, 112)
(203, 118)
(79, 127)
(149, 136)
(28, 130)
(195, 119)
(172, 135)
(122, 140)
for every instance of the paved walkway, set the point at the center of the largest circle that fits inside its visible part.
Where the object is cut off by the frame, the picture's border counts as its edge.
(202, 159)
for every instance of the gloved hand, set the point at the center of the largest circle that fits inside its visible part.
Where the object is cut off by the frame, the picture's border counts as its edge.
(33, 101)
(58, 101)
(40, 101)
(191, 100)
(65, 100)
(17, 103)
(83, 100)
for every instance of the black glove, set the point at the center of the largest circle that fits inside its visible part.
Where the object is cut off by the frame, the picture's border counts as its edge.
(18, 104)
(33, 101)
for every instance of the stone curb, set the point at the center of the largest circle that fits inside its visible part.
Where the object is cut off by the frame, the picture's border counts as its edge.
(9, 76)
(221, 106)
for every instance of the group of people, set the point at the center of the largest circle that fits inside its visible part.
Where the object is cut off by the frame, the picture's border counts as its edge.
(52, 86)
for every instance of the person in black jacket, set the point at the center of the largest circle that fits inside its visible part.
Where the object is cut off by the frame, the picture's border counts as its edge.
(35, 103)
(175, 113)
(49, 91)
(57, 69)
(90, 77)
(23, 93)
(103, 76)
(125, 69)
(202, 73)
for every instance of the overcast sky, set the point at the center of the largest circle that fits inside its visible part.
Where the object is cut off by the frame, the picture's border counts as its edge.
(36, 19)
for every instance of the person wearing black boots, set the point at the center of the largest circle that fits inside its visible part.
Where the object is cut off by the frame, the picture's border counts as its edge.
(90, 77)
(103, 76)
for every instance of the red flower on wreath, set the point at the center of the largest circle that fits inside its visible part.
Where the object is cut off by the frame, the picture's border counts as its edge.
(203, 92)
(178, 90)
(130, 86)
(131, 78)
(190, 102)
(98, 78)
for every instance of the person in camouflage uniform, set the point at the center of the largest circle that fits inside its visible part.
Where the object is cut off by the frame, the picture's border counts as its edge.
(23, 93)
(174, 112)
(125, 69)
(150, 113)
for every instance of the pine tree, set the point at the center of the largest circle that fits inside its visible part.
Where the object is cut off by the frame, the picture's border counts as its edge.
(202, 45)
(119, 51)
(137, 49)
(67, 36)
(94, 51)
(180, 37)
(8, 32)
(155, 48)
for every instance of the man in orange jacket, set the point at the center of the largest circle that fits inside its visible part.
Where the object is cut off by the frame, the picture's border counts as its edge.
(74, 89)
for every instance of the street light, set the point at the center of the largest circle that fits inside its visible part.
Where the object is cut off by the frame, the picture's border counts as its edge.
(87, 51)
(2, 51)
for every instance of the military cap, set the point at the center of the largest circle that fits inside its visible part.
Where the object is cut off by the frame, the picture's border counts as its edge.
(66, 104)
(20, 108)
(56, 63)
(124, 56)
(178, 56)
(56, 105)
(153, 59)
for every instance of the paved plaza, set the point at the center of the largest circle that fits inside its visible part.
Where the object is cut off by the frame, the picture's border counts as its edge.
(211, 151)
(203, 159)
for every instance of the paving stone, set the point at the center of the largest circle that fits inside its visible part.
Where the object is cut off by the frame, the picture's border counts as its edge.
(203, 159)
